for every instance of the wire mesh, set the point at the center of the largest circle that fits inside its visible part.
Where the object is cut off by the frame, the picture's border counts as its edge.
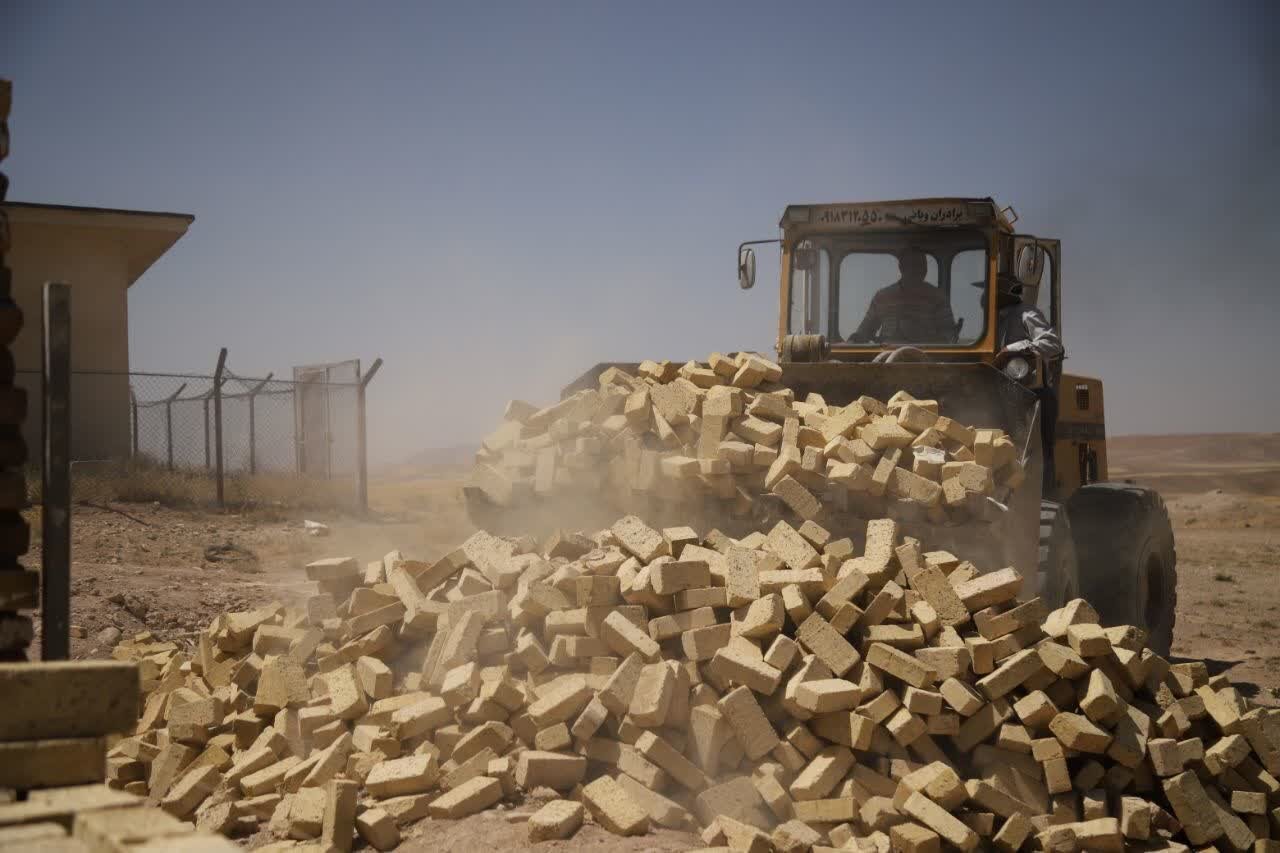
(155, 436)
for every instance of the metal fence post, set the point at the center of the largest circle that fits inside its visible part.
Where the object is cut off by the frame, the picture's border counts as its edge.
(253, 423)
(362, 448)
(217, 421)
(55, 598)
(168, 422)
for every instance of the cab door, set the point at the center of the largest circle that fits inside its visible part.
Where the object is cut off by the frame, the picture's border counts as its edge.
(1047, 294)
(1053, 308)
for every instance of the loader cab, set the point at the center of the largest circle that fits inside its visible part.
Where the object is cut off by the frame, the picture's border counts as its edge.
(917, 280)
(876, 277)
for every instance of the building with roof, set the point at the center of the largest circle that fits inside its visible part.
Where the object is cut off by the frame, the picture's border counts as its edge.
(100, 252)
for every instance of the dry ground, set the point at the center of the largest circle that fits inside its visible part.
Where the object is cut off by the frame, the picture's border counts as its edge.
(1223, 493)
(147, 567)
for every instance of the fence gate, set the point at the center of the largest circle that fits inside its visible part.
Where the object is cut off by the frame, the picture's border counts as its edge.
(322, 450)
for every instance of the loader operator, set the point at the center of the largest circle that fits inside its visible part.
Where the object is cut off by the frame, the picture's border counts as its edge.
(909, 311)
(1022, 328)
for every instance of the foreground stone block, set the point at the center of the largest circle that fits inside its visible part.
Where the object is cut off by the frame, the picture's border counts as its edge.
(52, 763)
(68, 699)
(116, 828)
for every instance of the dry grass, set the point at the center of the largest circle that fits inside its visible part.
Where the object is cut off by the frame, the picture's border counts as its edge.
(195, 488)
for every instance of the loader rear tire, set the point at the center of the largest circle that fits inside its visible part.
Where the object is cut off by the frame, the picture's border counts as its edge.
(1128, 564)
(1059, 568)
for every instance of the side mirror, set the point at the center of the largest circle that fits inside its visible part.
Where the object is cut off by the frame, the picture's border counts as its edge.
(1028, 263)
(746, 267)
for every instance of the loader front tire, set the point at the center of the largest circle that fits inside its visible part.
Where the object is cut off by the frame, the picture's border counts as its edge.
(1128, 564)
(1059, 567)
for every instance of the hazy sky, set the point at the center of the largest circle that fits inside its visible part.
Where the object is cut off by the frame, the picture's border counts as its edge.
(492, 197)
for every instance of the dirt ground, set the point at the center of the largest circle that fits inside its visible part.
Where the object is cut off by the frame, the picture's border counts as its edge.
(1223, 493)
(147, 567)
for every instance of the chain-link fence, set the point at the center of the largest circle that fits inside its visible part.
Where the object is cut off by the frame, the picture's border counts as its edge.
(190, 439)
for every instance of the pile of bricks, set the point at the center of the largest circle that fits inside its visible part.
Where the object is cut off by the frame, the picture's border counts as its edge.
(727, 432)
(19, 589)
(55, 726)
(782, 691)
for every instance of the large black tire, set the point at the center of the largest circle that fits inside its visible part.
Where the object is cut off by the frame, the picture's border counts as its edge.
(1128, 565)
(1059, 568)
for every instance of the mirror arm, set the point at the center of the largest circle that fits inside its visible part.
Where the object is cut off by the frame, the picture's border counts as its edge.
(742, 246)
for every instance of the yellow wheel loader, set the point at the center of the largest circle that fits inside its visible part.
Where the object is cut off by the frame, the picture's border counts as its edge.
(927, 296)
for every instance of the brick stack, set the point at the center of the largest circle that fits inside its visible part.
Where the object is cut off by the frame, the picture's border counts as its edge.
(55, 724)
(727, 433)
(783, 691)
(19, 589)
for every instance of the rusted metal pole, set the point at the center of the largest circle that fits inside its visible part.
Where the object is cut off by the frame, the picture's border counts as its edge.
(217, 422)
(362, 446)
(55, 597)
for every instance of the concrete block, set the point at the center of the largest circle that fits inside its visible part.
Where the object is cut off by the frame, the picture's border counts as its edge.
(990, 589)
(472, 796)
(639, 539)
(1078, 733)
(412, 774)
(346, 698)
(619, 689)
(338, 824)
(378, 829)
(914, 838)
(664, 755)
(676, 576)
(702, 644)
(186, 795)
(823, 772)
(68, 699)
(553, 770)
(613, 808)
(749, 723)
(654, 691)
(623, 637)
(561, 702)
(900, 665)
(54, 762)
(827, 695)
(793, 549)
(558, 819)
(762, 619)
(936, 818)
(817, 635)
(282, 684)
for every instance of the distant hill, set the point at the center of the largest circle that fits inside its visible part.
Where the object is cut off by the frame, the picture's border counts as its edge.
(1235, 462)
(433, 460)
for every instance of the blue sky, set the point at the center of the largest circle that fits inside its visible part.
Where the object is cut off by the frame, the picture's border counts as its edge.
(492, 197)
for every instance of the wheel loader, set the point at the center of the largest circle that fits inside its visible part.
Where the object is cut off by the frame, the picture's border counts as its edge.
(846, 327)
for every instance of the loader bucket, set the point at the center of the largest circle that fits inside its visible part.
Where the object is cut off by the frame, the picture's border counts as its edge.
(973, 394)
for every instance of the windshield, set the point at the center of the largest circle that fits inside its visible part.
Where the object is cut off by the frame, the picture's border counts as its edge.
(926, 289)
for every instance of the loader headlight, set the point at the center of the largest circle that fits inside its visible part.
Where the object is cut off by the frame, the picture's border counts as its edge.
(1017, 368)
